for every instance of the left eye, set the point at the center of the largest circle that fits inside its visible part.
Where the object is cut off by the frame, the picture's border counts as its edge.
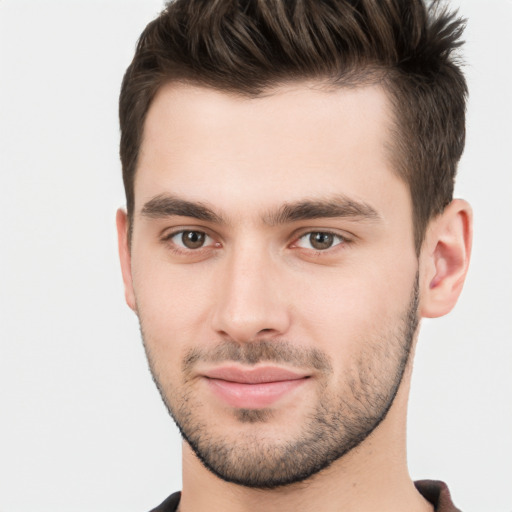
(319, 240)
(191, 239)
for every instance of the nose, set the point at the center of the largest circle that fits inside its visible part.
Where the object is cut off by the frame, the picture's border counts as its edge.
(251, 300)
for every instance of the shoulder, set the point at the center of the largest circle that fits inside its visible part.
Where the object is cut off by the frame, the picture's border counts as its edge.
(170, 504)
(438, 494)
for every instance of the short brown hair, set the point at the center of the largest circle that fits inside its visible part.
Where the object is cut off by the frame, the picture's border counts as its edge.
(249, 46)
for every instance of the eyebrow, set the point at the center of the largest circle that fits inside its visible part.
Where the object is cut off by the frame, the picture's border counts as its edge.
(335, 206)
(338, 206)
(163, 206)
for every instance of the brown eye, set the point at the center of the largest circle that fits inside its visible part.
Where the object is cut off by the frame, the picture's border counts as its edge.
(319, 240)
(193, 239)
(190, 241)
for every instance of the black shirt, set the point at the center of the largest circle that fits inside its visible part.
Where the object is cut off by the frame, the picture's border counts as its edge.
(432, 490)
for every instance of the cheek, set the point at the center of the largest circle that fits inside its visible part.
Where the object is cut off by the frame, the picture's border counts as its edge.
(172, 304)
(347, 308)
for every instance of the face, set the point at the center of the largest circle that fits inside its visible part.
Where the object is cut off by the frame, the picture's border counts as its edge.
(273, 271)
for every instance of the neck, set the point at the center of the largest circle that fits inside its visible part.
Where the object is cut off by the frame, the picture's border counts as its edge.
(371, 477)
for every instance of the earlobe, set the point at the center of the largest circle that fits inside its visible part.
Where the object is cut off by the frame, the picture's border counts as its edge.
(445, 259)
(125, 257)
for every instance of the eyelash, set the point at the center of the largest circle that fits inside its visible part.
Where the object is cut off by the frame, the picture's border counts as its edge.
(180, 250)
(177, 249)
(341, 240)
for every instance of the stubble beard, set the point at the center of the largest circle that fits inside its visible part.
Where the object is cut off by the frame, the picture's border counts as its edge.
(338, 423)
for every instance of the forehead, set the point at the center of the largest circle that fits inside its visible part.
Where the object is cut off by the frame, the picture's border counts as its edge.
(295, 141)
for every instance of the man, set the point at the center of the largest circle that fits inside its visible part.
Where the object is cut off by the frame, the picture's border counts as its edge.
(289, 170)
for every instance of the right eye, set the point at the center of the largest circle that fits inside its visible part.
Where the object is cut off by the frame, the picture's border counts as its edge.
(190, 239)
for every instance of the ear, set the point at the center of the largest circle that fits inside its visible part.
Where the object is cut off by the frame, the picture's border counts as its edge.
(125, 257)
(445, 258)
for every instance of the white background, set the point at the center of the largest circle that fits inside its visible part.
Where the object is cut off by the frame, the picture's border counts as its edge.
(81, 425)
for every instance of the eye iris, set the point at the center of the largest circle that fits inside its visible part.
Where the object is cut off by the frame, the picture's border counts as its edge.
(321, 240)
(193, 239)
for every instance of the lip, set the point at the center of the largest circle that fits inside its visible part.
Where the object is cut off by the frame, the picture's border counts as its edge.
(253, 388)
(259, 375)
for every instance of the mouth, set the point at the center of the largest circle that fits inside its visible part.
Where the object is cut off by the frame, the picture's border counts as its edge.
(253, 388)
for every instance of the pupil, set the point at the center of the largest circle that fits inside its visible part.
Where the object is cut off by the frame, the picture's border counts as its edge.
(192, 239)
(321, 240)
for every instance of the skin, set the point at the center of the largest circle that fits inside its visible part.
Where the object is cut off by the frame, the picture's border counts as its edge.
(257, 278)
